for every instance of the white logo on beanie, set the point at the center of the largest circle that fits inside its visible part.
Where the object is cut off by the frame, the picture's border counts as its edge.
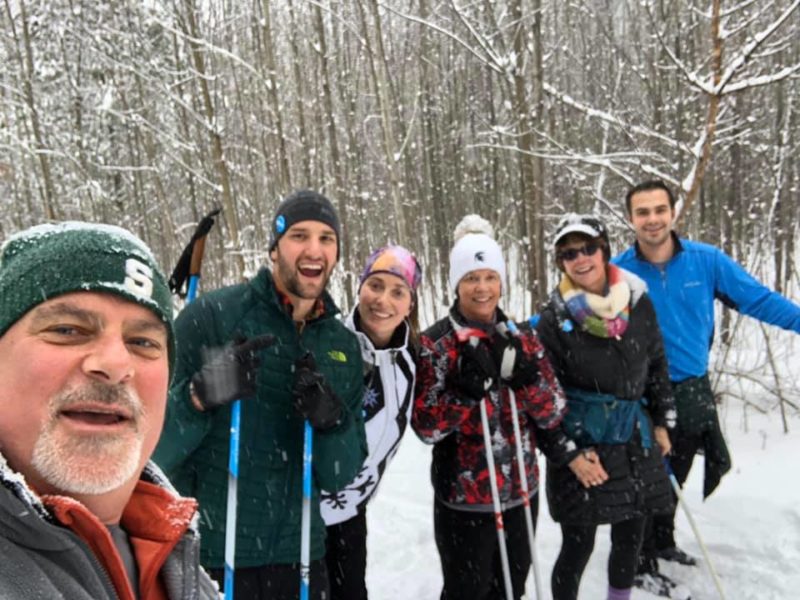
(138, 278)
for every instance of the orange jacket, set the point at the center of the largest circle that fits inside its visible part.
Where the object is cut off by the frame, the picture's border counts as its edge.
(154, 519)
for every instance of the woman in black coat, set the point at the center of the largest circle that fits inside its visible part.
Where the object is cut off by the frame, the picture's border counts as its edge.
(600, 332)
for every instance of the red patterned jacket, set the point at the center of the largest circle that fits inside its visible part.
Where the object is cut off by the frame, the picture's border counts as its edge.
(459, 471)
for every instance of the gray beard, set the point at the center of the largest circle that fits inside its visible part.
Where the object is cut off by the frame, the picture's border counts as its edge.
(83, 464)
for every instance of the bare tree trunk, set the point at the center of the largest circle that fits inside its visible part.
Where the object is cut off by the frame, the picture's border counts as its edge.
(712, 111)
(285, 182)
(381, 81)
(217, 151)
(438, 255)
(299, 96)
(26, 74)
(336, 161)
(530, 172)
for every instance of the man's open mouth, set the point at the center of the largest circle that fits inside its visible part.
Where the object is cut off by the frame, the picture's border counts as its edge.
(97, 416)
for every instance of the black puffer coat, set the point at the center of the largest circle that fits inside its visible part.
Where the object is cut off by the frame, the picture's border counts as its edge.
(628, 368)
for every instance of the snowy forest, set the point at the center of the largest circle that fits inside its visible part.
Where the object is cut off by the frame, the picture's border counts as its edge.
(409, 114)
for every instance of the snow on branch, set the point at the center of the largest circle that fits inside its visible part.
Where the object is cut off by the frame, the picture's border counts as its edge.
(491, 61)
(706, 85)
(739, 61)
(763, 79)
(613, 119)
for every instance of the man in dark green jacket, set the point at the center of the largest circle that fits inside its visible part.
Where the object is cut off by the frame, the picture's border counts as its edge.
(311, 371)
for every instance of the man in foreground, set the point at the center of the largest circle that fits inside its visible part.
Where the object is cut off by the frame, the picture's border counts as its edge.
(85, 352)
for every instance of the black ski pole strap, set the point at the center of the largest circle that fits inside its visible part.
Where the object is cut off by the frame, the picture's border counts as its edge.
(192, 256)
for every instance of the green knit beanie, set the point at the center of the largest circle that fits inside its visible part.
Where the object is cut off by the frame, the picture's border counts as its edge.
(46, 261)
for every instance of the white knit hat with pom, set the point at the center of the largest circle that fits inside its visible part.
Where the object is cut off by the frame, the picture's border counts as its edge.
(474, 248)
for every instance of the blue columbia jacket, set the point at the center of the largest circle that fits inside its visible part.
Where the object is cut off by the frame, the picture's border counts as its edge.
(683, 292)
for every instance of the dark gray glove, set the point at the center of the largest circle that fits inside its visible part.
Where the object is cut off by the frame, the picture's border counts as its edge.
(229, 372)
(313, 397)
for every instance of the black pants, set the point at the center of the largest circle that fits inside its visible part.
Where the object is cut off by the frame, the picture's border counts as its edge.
(576, 548)
(659, 531)
(684, 449)
(696, 415)
(468, 549)
(346, 557)
(275, 582)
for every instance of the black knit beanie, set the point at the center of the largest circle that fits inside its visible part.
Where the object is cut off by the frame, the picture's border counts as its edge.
(303, 205)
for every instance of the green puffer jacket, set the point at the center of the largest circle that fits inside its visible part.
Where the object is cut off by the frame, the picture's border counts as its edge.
(193, 449)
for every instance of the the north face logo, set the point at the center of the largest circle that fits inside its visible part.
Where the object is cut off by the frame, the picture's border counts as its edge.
(479, 256)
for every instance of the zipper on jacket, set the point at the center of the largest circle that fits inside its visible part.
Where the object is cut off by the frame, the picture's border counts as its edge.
(102, 570)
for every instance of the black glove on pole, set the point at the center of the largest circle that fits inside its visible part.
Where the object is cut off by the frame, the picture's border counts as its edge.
(517, 369)
(476, 370)
(313, 397)
(230, 372)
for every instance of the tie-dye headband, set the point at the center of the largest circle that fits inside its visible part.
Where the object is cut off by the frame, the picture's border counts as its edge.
(394, 260)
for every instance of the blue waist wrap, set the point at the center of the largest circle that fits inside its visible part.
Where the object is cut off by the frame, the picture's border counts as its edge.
(594, 418)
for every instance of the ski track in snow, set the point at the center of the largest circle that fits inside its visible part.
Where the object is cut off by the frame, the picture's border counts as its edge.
(751, 525)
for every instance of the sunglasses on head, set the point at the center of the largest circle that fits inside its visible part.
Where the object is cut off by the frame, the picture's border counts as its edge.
(571, 254)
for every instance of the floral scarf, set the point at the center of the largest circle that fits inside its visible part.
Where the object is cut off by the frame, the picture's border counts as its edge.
(601, 316)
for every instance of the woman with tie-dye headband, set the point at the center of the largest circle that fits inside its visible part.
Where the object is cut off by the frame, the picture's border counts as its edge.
(385, 323)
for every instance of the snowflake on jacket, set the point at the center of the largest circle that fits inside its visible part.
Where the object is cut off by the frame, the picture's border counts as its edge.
(459, 471)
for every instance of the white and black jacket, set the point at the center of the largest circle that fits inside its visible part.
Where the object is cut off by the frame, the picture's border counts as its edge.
(389, 375)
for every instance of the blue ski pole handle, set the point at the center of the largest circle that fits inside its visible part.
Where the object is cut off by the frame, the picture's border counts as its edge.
(194, 282)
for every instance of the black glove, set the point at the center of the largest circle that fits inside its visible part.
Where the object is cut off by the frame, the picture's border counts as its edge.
(517, 369)
(230, 372)
(476, 371)
(313, 397)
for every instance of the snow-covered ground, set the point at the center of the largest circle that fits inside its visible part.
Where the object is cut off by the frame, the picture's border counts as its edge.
(751, 524)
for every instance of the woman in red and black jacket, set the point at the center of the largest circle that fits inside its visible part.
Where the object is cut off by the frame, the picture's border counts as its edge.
(460, 364)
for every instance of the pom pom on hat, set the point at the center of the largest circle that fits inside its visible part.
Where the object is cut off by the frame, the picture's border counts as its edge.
(474, 249)
(472, 224)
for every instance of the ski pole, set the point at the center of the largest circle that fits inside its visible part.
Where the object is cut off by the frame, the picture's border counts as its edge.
(472, 337)
(191, 259)
(523, 473)
(306, 360)
(498, 512)
(188, 266)
(677, 488)
(305, 523)
(232, 504)
(526, 502)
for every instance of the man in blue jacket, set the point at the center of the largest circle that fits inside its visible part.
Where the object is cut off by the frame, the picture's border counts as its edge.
(684, 278)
